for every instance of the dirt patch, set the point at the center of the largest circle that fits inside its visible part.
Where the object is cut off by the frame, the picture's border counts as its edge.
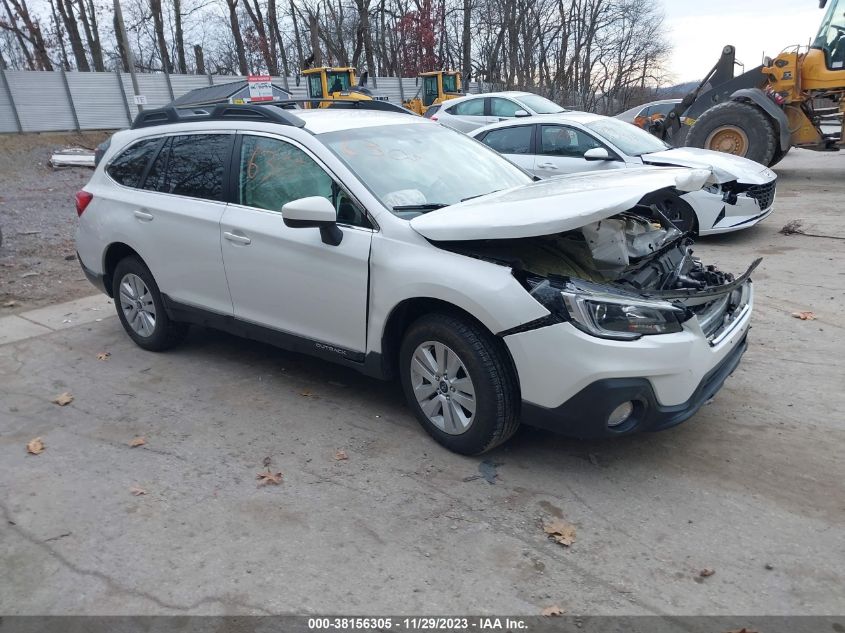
(37, 217)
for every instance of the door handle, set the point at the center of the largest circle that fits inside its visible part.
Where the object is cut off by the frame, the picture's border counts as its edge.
(237, 239)
(546, 166)
(143, 215)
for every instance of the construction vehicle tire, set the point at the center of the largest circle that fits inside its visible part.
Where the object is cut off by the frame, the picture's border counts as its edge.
(779, 154)
(738, 128)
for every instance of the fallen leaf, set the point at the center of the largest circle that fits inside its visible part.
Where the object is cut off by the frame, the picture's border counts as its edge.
(137, 491)
(10, 304)
(306, 393)
(269, 478)
(560, 531)
(137, 441)
(36, 446)
(805, 316)
(63, 399)
(705, 573)
(103, 355)
(552, 611)
(340, 454)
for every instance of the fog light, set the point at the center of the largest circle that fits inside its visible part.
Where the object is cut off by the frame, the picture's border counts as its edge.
(620, 414)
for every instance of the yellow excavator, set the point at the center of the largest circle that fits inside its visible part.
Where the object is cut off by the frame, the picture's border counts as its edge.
(437, 86)
(794, 100)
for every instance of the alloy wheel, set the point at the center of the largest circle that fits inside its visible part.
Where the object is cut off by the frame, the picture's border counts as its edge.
(137, 304)
(443, 387)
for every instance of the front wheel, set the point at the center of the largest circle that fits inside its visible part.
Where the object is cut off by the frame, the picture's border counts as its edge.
(677, 210)
(735, 127)
(459, 383)
(141, 309)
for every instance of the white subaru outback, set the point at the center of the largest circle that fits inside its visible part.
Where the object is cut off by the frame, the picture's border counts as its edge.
(396, 246)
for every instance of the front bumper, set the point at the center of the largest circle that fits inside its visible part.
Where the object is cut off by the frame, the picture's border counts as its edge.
(585, 414)
(570, 381)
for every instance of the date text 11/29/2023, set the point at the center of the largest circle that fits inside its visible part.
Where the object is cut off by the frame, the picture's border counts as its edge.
(417, 624)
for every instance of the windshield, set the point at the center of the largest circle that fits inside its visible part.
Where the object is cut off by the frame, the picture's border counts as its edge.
(540, 105)
(629, 138)
(422, 166)
(831, 37)
(450, 83)
(337, 81)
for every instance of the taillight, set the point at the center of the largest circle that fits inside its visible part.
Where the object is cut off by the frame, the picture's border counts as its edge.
(83, 199)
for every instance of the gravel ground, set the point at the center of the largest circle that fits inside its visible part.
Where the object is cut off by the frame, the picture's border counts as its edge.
(37, 257)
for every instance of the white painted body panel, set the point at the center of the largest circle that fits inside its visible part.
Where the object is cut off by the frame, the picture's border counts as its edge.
(552, 206)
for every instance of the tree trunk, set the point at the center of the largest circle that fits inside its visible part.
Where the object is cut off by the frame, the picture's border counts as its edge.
(65, 8)
(265, 45)
(57, 26)
(300, 60)
(199, 59)
(466, 43)
(92, 37)
(314, 28)
(158, 25)
(179, 36)
(236, 36)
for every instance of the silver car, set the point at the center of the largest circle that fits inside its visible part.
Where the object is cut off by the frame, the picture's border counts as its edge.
(474, 111)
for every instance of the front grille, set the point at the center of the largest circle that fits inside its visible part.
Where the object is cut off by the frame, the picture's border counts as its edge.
(763, 194)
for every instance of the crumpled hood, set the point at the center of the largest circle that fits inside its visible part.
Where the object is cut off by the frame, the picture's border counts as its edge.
(552, 206)
(726, 167)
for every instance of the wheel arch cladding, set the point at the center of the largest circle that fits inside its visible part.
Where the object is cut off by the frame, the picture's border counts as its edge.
(114, 253)
(405, 313)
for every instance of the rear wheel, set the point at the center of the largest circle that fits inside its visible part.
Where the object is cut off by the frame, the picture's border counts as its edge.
(459, 383)
(735, 127)
(141, 309)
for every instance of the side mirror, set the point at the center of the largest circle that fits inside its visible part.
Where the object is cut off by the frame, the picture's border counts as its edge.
(597, 153)
(521, 113)
(313, 212)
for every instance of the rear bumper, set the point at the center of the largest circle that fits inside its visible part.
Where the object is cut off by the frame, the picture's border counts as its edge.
(96, 279)
(585, 414)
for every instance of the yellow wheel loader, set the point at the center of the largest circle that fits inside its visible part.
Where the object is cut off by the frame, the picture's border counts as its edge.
(437, 86)
(327, 84)
(796, 99)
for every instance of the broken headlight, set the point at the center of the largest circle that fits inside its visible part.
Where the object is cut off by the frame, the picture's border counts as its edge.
(618, 317)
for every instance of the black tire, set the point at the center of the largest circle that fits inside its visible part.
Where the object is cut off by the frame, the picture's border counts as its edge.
(749, 118)
(166, 333)
(779, 154)
(676, 209)
(496, 388)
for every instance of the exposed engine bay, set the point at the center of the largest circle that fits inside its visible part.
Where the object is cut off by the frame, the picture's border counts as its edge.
(638, 253)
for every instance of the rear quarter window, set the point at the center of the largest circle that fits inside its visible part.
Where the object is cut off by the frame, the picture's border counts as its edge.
(192, 165)
(128, 168)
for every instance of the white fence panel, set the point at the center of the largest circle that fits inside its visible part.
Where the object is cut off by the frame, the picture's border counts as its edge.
(98, 100)
(41, 100)
(49, 101)
(7, 112)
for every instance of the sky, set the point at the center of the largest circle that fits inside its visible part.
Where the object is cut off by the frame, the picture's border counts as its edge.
(699, 29)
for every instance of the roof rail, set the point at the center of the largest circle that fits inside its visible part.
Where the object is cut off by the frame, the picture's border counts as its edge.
(266, 112)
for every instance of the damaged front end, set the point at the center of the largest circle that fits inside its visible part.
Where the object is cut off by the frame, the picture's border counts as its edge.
(624, 277)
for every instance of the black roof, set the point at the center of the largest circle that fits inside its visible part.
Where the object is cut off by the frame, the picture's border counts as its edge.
(221, 93)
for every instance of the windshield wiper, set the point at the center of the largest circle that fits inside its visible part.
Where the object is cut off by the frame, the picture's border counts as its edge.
(478, 195)
(428, 206)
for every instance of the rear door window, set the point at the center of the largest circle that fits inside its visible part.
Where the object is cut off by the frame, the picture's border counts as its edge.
(192, 165)
(128, 168)
(473, 107)
(510, 140)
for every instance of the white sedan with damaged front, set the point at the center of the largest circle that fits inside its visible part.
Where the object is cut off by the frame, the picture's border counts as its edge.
(740, 194)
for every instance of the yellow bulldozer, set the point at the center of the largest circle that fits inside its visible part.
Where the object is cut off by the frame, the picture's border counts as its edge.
(437, 86)
(794, 100)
